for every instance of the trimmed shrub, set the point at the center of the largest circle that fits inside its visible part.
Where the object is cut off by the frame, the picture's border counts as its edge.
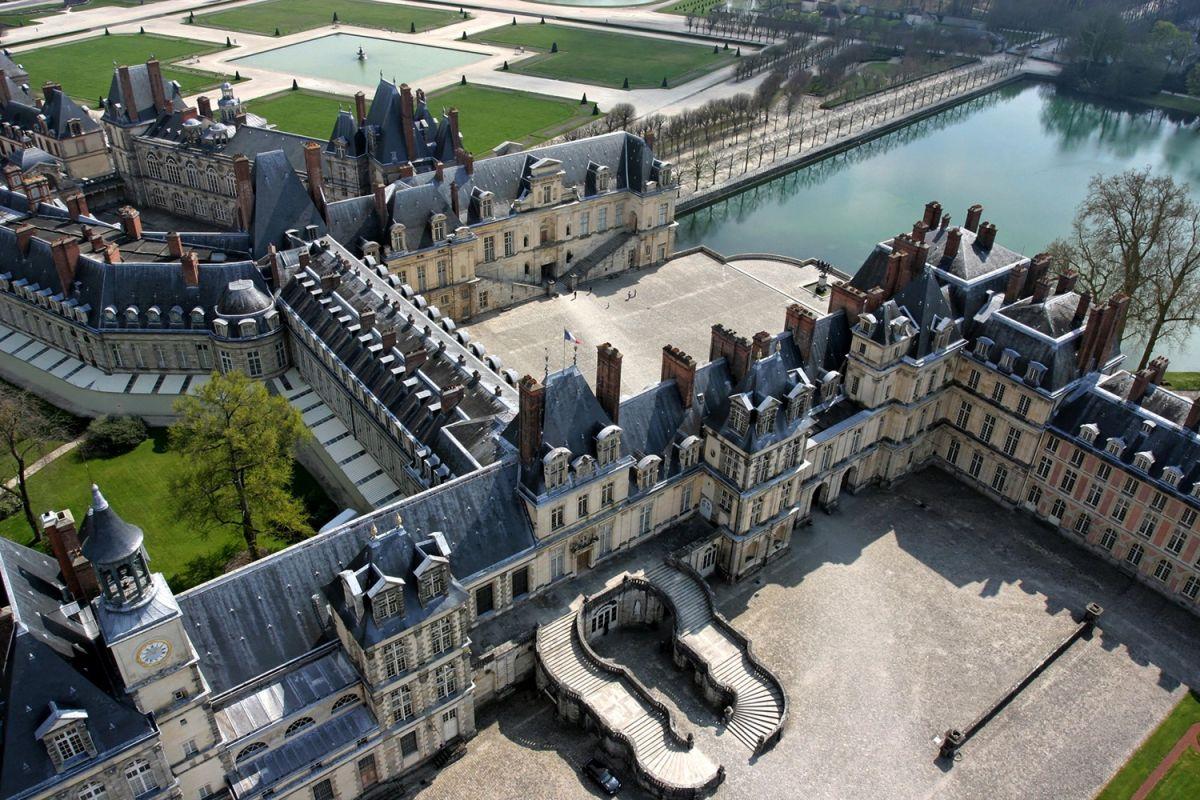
(111, 436)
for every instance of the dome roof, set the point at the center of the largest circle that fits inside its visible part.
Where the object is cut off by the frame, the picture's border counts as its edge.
(108, 538)
(192, 123)
(242, 297)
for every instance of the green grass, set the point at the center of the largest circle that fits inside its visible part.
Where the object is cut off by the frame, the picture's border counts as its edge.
(1183, 380)
(85, 68)
(605, 59)
(1153, 750)
(487, 116)
(293, 16)
(137, 484)
(1182, 781)
(1171, 102)
(698, 8)
(29, 15)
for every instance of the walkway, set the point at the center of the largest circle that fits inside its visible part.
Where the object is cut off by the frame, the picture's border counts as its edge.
(61, 450)
(1186, 742)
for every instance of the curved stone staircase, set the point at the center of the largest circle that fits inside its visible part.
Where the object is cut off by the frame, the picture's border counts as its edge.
(759, 706)
(664, 760)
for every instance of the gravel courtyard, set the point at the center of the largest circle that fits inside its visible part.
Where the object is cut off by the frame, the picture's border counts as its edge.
(907, 611)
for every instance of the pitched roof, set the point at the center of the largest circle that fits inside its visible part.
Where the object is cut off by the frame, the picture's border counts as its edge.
(281, 203)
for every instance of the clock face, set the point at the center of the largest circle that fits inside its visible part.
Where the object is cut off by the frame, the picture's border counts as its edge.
(153, 652)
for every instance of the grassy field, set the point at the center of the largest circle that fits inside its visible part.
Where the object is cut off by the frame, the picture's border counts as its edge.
(1182, 781)
(292, 16)
(699, 8)
(85, 67)
(1151, 753)
(487, 116)
(31, 15)
(137, 485)
(1172, 102)
(605, 59)
(1183, 380)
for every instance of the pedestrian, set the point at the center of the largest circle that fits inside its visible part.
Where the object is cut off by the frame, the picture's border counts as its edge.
(575, 295)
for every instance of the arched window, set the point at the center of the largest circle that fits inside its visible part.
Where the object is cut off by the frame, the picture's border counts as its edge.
(193, 175)
(140, 776)
(173, 173)
(93, 790)
(211, 182)
(152, 166)
(230, 185)
(249, 750)
(157, 198)
(345, 700)
(298, 725)
(179, 203)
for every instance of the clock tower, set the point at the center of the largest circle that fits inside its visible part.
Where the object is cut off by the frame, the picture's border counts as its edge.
(142, 628)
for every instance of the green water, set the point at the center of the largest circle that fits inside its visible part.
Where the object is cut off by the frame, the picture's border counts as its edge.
(1025, 152)
(335, 57)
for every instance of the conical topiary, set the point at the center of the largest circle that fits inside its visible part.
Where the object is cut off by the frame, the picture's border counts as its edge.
(595, 109)
(237, 75)
(543, 21)
(664, 83)
(464, 36)
(412, 27)
(191, 16)
(335, 19)
(554, 47)
(505, 67)
(141, 29)
(625, 85)
(106, 33)
(583, 100)
(463, 81)
(277, 31)
(514, 21)
(716, 49)
(295, 85)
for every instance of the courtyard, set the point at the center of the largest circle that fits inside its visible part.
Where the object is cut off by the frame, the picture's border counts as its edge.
(896, 617)
(639, 311)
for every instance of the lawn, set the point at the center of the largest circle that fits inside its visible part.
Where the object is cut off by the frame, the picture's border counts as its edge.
(487, 116)
(137, 485)
(1172, 102)
(700, 8)
(605, 59)
(85, 68)
(293, 16)
(30, 15)
(1183, 380)
(1182, 781)
(1153, 750)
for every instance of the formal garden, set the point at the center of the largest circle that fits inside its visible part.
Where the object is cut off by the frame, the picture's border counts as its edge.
(85, 67)
(283, 17)
(602, 58)
(1177, 780)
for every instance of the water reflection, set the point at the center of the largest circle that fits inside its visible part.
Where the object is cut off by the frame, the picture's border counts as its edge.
(1026, 152)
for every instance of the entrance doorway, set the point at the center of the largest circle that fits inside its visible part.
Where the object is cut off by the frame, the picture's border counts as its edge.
(708, 560)
(449, 724)
(583, 560)
(603, 617)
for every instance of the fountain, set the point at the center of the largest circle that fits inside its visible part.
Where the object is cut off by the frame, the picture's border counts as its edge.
(362, 56)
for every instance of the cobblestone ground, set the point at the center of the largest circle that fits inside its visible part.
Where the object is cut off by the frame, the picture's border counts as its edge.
(903, 613)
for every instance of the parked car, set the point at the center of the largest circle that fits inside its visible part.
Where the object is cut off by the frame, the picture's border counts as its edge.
(602, 775)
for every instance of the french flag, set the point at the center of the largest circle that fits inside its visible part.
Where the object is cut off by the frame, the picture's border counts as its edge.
(570, 337)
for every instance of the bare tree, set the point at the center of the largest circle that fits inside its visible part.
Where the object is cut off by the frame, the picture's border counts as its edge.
(1139, 234)
(27, 433)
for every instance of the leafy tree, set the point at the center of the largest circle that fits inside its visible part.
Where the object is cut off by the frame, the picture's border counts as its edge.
(1193, 81)
(27, 433)
(238, 444)
(1139, 234)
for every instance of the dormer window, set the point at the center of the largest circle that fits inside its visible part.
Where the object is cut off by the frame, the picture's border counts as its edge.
(799, 399)
(65, 736)
(829, 385)
(437, 227)
(585, 467)
(487, 205)
(386, 605)
(1089, 432)
(1115, 446)
(399, 238)
(1148, 426)
(1172, 475)
(603, 179)
(554, 465)
(1144, 460)
(153, 316)
(547, 194)
(608, 445)
(983, 346)
(1034, 373)
(175, 315)
(1008, 358)
(647, 472)
(131, 317)
(247, 327)
(739, 417)
(766, 419)
(197, 317)
(689, 452)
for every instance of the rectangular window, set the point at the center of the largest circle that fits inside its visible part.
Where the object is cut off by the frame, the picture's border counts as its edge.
(557, 517)
(190, 749)
(973, 380)
(395, 658)
(1119, 510)
(1077, 458)
(1012, 441)
(489, 248)
(998, 392)
(1163, 570)
(685, 499)
(1134, 556)
(585, 223)
(1035, 495)
(1083, 524)
(401, 703)
(999, 478)
(484, 600)
(1130, 487)
(1052, 445)
(253, 363)
(509, 244)
(985, 430)
(976, 465)
(1023, 407)
(1067, 484)
(447, 681)
(226, 362)
(441, 636)
(1058, 510)
(662, 214)
(1108, 539)
(1188, 518)
(323, 790)
(582, 505)
(368, 775)
(1094, 493)
(520, 582)
(204, 356)
(645, 519)
(964, 415)
(1146, 527)
(1103, 471)
(558, 560)
(602, 219)
(408, 743)
(1191, 588)
(1159, 502)
(1044, 467)
(725, 501)
(606, 495)
(280, 353)
(1176, 542)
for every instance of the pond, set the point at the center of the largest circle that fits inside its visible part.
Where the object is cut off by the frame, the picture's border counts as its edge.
(1025, 152)
(335, 57)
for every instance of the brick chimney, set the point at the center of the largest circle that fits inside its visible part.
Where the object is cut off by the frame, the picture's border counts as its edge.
(77, 572)
(387, 339)
(112, 253)
(1066, 281)
(608, 380)
(131, 222)
(175, 245)
(945, 221)
(407, 170)
(12, 177)
(316, 182)
(455, 136)
(406, 121)
(5, 96)
(933, 212)
(49, 88)
(414, 360)
(154, 75)
(66, 257)
(681, 368)
(438, 171)
(734, 349)
(360, 108)
(190, 266)
(529, 419)
(1141, 382)
(986, 236)
(953, 239)
(245, 191)
(1192, 423)
(381, 209)
(77, 205)
(1041, 289)
(760, 346)
(1081, 310)
(802, 323)
(468, 163)
(1158, 368)
(24, 232)
(919, 230)
(128, 98)
(974, 214)
(451, 397)
(204, 106)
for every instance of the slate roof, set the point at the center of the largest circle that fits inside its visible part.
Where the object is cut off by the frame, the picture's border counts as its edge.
(58, 109)
(281, 203)
(49, 659)
(246, 139)
(11, 68)
(108, 539)
(971, 261)
(143, 106)
(31, 157)
(431, 137)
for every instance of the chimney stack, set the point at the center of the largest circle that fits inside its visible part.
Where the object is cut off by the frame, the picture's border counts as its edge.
(77, 572)
(316, 183)
(608, 380)
(154, 75)
(1066, 281)
(190, 265)
(802, 323)
(455, 136)
(974, 214)
(953, 239)
(1158, 369)
(77, 205)
(681, 368)
(1041, 289)
(204, 106)
(5, 95)
(760, 346)
(919, 230)
(112, 253)
(933, 212)
(1192, 423)
(406, 121)
(49, 88)
(131, 222)
(387, 340)
(439, 174)
(734, 349)
(175, 245)
(12, 177)
(360, 108)
(407, 170)
(1081, 310)
(127, 95)
(65, 252)
(1141, 382)
(945, 221)
(986, 236)
(529, 419)
(24, 232)
(245, 191)
(381, 209)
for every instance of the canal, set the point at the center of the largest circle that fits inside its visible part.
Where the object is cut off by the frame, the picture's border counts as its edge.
(1025, 152)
